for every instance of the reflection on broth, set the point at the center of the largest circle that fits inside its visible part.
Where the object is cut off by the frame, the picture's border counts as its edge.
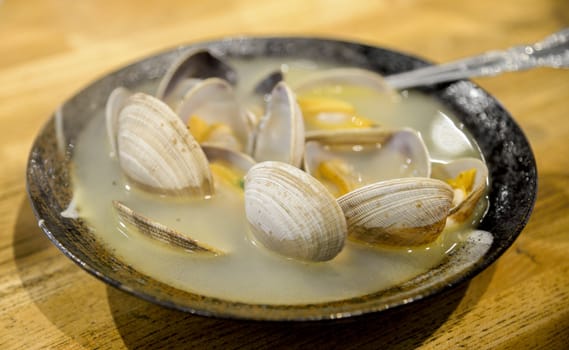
(246, 270)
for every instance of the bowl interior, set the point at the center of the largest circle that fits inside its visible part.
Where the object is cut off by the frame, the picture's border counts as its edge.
(507, 152)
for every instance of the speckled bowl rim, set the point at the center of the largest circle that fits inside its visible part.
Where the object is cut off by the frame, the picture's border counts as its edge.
(512, 169)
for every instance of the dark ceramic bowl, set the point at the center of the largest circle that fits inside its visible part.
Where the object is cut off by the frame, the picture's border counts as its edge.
(507, 152)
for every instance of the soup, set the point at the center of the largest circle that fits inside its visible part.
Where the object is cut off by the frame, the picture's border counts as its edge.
(246, 271)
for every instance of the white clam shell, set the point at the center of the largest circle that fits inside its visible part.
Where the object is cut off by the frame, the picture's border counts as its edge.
(157, 152)
(280, 133)
(291, 213)
(464, 205)
(401, 212)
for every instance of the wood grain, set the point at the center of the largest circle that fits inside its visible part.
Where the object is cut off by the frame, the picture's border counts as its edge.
(51, 48)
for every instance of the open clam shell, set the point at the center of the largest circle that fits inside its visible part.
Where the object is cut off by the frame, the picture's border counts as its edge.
(155, 230)
(357, 157)
(291, 213)
(116, 101)
(157, 152)
(194, 65)
(467, 198)
(343, 98)
(398, 212)
(214, 101)
(280, 134)
(240, 160)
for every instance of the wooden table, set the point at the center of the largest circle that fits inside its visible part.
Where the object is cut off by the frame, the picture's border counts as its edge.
(49, 49)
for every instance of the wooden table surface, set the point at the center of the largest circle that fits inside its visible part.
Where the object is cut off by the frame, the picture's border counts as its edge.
(51, 48)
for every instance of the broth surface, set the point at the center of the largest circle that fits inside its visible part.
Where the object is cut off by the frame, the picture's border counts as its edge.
(249, 272)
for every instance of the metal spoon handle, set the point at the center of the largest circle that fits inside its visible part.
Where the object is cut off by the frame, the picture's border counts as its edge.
(553, 51)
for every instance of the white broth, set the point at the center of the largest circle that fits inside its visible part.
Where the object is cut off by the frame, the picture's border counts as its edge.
(248, 272)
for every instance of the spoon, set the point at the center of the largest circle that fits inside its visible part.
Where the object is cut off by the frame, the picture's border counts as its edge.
(553, 51)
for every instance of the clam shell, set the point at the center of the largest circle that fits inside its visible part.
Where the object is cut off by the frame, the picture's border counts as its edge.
(155, 230)
(400, 212)
(116, 101)
(373, 155)
(255, 101)
(157, 152)
(194, 64)
(176, 96)
(267, 84)
(291, 213)
(464, 206)
(214, 101)
(280, 133)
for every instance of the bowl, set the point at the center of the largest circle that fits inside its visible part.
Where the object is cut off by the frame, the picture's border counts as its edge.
(507, 152)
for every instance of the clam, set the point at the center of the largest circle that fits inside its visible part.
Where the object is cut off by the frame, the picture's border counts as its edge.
(116, 101)
(155, 230)
(469, 179)
(176, 96)
(157, 152)
(212, 105)
(193, 66)
(240, 160)
(291, 213)
(347, 159)
(397, 212)
(280, 133)
(335, 98)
